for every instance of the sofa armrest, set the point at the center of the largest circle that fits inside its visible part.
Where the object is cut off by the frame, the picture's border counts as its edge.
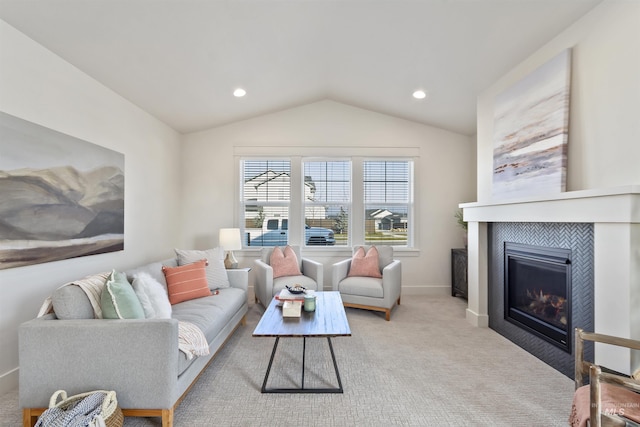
(339, 272)
(136, 358)
(313, 269)
(239, 278)
(264, 282)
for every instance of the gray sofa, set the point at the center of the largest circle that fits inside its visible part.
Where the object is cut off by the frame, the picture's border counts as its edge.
(139, 359)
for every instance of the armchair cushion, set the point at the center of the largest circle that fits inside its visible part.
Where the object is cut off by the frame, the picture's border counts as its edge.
(362, 286)
(282, 282)
(365, 265)
(611, 396)
(284, 263)
(614, 400)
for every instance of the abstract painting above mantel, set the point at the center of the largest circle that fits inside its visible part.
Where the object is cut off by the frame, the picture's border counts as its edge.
(530, 133)
(60, 197)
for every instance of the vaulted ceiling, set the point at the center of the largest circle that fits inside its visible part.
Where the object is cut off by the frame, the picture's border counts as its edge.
(180, 60)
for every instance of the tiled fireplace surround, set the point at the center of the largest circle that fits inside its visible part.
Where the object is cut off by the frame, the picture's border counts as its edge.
(613, 216)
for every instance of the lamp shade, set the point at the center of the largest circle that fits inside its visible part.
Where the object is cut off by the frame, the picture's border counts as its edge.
(230, 239)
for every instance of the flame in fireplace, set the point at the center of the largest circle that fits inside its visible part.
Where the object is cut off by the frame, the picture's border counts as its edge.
(548, 306)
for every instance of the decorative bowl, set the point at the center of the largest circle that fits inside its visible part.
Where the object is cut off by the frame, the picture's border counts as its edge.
(296, 289)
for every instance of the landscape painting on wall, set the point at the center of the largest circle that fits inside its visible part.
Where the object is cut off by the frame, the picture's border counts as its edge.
(60, 197)
(531, 127)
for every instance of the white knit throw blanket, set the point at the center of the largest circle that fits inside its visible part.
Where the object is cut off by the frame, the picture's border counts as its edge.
(191, 340)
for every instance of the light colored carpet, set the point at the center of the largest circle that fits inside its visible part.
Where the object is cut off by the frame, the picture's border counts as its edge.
(426, 367)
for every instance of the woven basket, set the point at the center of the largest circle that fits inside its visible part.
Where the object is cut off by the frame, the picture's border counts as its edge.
(111, 412)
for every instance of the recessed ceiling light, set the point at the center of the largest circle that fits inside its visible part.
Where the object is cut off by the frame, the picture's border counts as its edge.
(419, 94)
(239, 93)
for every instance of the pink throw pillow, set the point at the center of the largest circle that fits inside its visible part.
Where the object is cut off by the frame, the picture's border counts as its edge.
(365, 264)
(284, 263)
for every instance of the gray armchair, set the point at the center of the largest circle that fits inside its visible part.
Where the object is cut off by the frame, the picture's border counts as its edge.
(370, 293)
(266, 287)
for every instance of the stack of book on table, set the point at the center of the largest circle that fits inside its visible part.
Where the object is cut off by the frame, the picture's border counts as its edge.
(285, 295)
(291, 303)
(291, 308)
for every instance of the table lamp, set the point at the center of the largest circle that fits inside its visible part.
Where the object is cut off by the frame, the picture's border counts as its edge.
(230, 241)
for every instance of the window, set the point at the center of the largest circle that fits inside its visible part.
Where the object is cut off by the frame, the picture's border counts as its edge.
(387, 202)
(327, 202)
(266, 197)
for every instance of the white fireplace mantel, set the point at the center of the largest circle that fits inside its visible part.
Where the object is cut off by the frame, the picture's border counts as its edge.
(620, 204)
(615, 213)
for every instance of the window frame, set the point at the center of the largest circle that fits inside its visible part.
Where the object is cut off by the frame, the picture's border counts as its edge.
(410, 203)
(243, 203)
(356, 222)
(348, 204)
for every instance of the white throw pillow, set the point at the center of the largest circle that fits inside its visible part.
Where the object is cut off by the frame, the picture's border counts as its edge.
(152, 296)
(216, 272)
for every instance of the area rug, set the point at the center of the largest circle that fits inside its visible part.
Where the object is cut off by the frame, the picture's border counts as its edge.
(426, 367)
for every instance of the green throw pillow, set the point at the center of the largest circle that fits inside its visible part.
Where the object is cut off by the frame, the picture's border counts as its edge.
(119, 300)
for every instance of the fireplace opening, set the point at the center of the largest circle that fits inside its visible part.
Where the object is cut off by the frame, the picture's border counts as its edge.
(538, 291)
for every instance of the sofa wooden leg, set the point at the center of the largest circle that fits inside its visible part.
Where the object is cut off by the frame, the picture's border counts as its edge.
(398, 300)
(29, 417)
(167, 417)
(387, 315)
(165, 414)
(243, 321)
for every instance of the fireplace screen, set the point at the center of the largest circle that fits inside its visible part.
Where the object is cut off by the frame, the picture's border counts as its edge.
(538, 291)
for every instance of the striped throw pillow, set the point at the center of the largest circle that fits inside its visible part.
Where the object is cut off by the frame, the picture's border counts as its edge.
(186, 282)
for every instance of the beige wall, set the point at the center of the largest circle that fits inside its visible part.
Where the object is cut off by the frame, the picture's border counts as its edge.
(444, 177)
(604, 132)
(37, 86)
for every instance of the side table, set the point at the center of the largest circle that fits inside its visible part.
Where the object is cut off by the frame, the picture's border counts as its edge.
(459, 272)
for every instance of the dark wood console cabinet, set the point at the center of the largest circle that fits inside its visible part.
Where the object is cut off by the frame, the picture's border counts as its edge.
(459, 272)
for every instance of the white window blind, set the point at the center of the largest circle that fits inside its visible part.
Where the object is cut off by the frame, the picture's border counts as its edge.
(266, 197)
(387, 201)
(327, 200)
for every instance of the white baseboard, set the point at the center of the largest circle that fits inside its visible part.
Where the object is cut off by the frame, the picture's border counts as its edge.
(477, 320)
(9, 381)
(431, 291)
(434, 291)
